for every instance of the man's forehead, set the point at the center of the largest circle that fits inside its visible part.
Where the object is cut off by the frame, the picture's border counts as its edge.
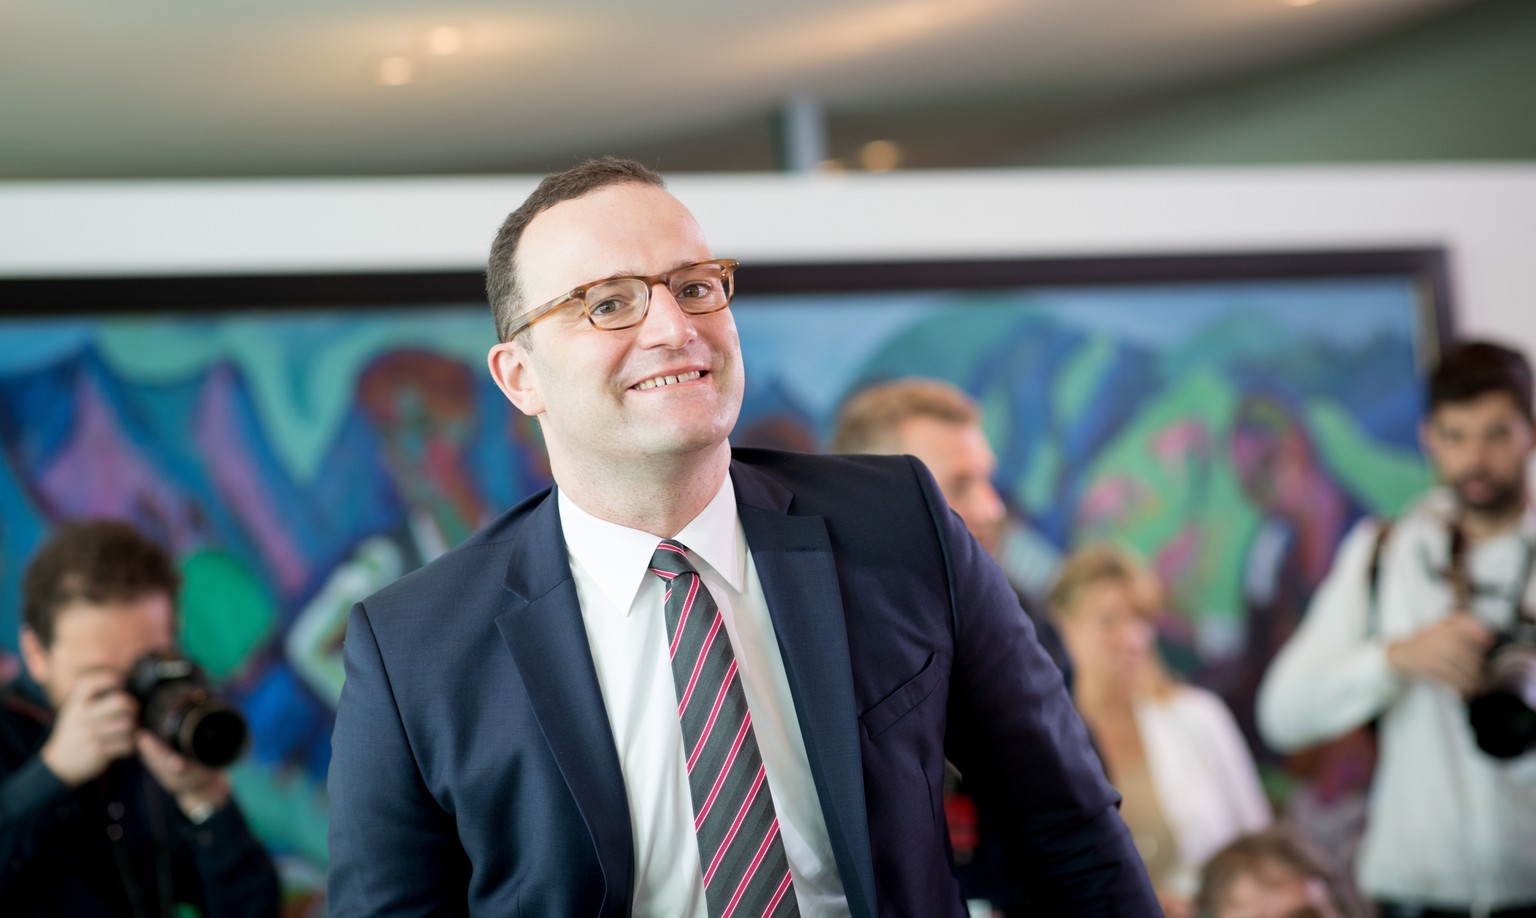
(628, 228)
(1496, 407)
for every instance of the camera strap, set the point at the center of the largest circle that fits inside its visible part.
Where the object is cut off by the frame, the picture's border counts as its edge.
(1528, 535)
(1524, 584)
(1373, 576)
(1460, 578)
(121, 801)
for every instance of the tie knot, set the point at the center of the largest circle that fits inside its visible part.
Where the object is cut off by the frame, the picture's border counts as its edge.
(671, 559)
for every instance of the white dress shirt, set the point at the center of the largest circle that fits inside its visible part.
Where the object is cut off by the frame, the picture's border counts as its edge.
(1449, 826)
(621, 606)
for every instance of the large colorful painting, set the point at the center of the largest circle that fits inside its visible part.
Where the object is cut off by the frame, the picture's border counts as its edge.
(1230, 429)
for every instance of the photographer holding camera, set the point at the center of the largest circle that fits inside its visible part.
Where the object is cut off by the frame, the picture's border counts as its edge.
(1418, 621)
(99, 815)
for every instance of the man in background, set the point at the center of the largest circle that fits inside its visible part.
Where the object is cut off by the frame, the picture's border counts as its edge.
(938, 424)
(98, 816)
(1398, 633)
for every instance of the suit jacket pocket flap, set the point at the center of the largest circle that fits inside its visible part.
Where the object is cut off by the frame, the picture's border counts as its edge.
(897, 704)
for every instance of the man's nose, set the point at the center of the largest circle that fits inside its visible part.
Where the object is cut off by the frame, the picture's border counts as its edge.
(986, 504)
(982, 510)
(1474, 458)
(665, 323)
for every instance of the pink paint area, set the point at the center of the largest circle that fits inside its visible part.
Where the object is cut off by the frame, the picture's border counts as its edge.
(1182, 443)
(1112, 500)
(1178, 561)
(227, 457)
(100, 472)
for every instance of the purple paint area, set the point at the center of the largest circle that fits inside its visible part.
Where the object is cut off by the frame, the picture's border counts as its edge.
(100, 471)
(229, 461)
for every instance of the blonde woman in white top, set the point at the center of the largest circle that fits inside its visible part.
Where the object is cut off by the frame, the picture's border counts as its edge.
(1172, 750)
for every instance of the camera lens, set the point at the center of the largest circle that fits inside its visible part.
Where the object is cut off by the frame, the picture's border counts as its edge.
(176, 706)
(1504, 725)
(1502, 718)
(212, 733)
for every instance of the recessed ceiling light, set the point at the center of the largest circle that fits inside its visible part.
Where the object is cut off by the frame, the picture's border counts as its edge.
(394, 70)
(445, 40)
(880, 156)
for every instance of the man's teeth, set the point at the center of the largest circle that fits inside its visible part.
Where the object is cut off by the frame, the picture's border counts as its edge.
(669, 380)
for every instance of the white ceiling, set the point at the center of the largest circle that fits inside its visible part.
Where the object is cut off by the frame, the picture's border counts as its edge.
(108, 88)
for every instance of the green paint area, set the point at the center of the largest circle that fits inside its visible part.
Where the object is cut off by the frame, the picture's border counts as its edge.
(1383, 478)
(285, 809)
(301, 373)
(996, 413)
(1078, 382)
(949, 345)
(226, 613)
(1042, 476)
(1165, 487)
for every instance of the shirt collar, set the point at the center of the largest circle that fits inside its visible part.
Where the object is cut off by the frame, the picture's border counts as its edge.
(616, 557)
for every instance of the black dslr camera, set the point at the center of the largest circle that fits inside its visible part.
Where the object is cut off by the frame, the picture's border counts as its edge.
(1503, 713)
(177, 706)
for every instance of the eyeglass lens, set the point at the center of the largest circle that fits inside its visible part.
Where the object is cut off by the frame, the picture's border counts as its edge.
(621, 302)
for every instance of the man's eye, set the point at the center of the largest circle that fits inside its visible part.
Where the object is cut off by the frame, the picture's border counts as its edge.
(696, 290)
(605, 308)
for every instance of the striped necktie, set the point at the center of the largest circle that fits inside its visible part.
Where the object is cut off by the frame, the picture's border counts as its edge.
(745, 870)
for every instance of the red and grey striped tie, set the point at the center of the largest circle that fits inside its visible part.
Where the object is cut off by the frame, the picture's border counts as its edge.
(745, 870)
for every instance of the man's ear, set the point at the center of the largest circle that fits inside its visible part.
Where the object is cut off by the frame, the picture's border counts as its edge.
(515, 377)
(34, 655)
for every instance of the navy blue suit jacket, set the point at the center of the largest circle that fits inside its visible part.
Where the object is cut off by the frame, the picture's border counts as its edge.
(474, 770)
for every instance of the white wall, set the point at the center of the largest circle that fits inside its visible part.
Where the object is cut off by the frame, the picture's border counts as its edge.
(1485, 216)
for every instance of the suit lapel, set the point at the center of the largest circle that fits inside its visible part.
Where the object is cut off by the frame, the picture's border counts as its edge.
(543, 629)
(793, 556)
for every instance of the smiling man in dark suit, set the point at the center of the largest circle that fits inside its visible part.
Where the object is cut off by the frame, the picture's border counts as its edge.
(686, 681)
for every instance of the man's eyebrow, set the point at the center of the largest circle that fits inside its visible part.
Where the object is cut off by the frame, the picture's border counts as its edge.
(680, 263)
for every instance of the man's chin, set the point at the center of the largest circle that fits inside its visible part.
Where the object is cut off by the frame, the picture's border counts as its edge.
(687, 440)
(1498, 502)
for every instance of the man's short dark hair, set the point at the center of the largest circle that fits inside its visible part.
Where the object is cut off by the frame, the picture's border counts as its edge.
(1475, 368)
(94, 561)
(503, 287)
